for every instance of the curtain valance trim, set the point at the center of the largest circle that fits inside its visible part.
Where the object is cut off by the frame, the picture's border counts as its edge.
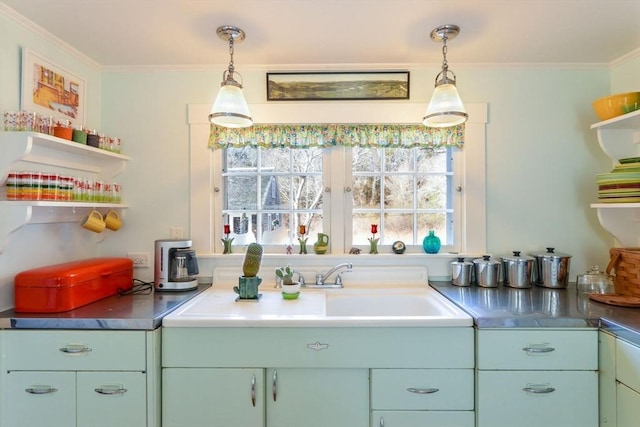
(314, 135)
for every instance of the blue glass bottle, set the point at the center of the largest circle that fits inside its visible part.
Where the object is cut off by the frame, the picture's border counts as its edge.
(431, 243)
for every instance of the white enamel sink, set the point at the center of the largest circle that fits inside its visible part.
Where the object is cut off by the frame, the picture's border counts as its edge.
(359, 307)
(388, 303)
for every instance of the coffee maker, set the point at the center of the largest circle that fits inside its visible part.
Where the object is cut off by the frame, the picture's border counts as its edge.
(175, 266)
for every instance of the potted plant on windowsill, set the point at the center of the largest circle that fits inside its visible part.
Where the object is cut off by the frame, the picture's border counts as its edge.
(290, 289)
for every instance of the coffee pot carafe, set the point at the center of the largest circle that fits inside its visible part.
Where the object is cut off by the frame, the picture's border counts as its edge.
(176, 266)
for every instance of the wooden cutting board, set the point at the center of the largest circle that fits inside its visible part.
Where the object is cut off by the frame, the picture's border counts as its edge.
(619, 300)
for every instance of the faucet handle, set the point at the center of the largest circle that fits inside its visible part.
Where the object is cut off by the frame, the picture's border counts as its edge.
(319, 279)
(339, 279)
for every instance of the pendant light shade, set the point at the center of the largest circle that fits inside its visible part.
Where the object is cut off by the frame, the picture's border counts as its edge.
(230, 108)
(445, 108)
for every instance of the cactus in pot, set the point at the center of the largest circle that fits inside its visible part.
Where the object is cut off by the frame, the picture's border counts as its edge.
(285, 274)
(248, 283)
(252, 260)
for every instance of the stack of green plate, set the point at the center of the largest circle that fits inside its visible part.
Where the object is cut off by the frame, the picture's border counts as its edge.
(622, 184)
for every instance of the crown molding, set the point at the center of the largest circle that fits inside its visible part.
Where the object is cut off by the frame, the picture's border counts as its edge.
(38, 30)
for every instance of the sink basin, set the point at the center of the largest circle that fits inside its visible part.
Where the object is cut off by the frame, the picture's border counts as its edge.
(388, 303)
(362, 307)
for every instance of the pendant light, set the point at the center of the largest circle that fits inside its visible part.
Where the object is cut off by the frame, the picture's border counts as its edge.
(230, 109)
(445, 108)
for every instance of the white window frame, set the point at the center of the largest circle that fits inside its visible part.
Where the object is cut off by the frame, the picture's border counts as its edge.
(206, 188)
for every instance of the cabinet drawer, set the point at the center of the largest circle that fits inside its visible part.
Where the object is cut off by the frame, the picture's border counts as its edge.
(112, 399)
(422, 418)
(41, 399)
(504, 400)
(75, 350)
(627, 406)
(318, 347)
(422, 389)
(537, 349)
(628, 364)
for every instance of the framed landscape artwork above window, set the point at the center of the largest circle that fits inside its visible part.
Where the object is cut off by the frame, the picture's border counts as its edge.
(50, 90)
(332, 86)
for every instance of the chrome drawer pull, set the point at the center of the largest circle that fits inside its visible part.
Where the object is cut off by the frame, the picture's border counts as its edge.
(274, 385)
(538, 349)
(538, 389)
(381, 422)
(41, 389)
(75, 349)
(111, 389)
(253, 391)
(422, 390)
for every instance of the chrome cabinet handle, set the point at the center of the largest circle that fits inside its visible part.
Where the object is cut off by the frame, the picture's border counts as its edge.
(538, 349)
(253, 391)
(538, 389)
(381, 421)
(274, 385)
(75, 349)
(41, 389)
(111, 389)
(422, 390)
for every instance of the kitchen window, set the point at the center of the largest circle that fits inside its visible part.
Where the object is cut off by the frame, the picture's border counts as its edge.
(462, 173)
(280, 180)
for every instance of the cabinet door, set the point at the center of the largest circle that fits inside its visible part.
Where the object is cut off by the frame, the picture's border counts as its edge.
(111, 399)
(317, 397)
(628, 364)
(537, 398)
(422, 418)
(41, 399)
(627, 407)
(212, 397)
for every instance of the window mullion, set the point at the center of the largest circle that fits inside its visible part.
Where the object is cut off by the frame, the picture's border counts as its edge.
(340, 206)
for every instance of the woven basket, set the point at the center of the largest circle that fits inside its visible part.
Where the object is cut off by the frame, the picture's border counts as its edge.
(626, 263)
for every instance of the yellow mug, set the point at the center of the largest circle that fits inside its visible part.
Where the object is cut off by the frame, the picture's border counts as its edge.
(94, 222)
(112, 220)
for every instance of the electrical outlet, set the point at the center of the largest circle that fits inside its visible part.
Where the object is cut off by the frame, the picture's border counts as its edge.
(176, 233)
(140, 259)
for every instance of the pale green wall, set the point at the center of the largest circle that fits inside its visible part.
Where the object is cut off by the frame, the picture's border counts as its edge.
(625, 75)
(541, 155)
(38, 245)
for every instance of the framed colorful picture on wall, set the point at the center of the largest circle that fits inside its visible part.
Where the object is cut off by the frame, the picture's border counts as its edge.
(51, 90)
(327, 86)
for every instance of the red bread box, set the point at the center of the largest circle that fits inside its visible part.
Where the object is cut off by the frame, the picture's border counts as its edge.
(63, 287)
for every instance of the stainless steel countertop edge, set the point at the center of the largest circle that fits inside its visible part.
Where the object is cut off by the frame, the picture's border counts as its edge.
(504, 307)
(127, 312)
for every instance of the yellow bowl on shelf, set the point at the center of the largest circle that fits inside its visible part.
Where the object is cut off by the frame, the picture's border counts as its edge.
(616, 105)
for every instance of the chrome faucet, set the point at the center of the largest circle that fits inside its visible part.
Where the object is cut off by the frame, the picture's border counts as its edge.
(300, 280)
(322, 278)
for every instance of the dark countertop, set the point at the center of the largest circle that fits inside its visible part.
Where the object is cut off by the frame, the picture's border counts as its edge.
(142, 311)
(505, 307)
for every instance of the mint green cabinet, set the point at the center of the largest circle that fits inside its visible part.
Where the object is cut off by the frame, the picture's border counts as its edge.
(264, 397)
(317, 377)
(80, 378)
(40, 399)
(537, 377)
(628, 384)
(317, 397)
(193, 397)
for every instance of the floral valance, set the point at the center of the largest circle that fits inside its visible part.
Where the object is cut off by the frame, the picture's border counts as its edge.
(314, 135)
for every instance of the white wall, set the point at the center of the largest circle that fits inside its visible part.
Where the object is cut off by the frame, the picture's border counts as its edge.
(541, 155)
